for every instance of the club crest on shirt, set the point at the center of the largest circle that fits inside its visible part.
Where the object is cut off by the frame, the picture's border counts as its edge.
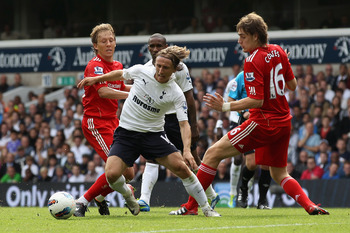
(249, 77)
(163, 93)
(98, 70)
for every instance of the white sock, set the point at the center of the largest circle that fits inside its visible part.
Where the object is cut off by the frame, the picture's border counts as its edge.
(83, 200)
(149, 179)
(235, 172)
(100, 198)
(195, 189)
(210, 192)
(121, 187)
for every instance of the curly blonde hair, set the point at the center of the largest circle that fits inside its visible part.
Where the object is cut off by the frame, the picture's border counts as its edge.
(175, 54)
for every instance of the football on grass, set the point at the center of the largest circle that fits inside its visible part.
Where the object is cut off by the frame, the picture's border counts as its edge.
(61, 205)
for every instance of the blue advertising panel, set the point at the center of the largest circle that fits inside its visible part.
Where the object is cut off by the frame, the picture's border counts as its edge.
(321, 50)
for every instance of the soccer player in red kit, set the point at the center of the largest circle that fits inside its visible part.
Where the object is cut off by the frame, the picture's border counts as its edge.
(100, 103)
(267, 73)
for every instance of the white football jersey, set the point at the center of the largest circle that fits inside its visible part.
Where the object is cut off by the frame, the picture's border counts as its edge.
(182, 78)
(149, 100)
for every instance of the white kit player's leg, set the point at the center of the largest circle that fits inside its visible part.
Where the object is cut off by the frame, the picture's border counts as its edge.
(195, 189)
(120, 186)
(212, 196)
(149, 179)
(235, 171)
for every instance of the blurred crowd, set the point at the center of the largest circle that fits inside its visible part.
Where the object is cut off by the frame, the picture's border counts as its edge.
(44, 141)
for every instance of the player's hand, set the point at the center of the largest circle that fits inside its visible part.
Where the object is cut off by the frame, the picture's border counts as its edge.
(214, 102)
(189, 160)
(87, 81)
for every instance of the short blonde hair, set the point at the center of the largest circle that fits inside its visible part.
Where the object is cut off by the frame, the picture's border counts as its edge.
(97, 29)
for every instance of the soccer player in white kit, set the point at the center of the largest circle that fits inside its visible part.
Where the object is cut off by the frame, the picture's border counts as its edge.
(141, 126)
(156, 43)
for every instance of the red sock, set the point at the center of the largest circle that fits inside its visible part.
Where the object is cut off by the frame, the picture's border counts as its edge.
(101, 185)
(205, 176)
(293, 189)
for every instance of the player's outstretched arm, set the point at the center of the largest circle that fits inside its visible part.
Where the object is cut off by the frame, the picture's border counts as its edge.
(111, 76)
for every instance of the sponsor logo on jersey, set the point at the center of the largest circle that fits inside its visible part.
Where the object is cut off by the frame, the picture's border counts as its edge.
(114, 86)
(149, 99)
(144, 105)
(98, 70)
(249, 77)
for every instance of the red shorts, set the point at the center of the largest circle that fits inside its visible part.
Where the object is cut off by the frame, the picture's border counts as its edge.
(99, 133)
(270, 143)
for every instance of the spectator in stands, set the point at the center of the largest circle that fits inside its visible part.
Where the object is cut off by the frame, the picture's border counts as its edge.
(3, 83)
(43, 175)
(14, 142)
(4, 135)
(345, 93)
(60, 176)
(79, 112)
(40, 155)
(321, 102)
(323, 161)
(330, 78)
(236, 68)
(293, 146)
(313, 171)
(330, 21)
(171, 27)
(56, 121)
(302, 162)
(220, 25)
(68, 126)
(79, 149)
(343, 75)
(344, 155)
(222, 174)
(52, 164)
(99, 163)
(91, 175)
(9, 161)
(299, 72)
(69, 163)
(291, 170)
(310, 142)
(194, 27)
(346, 170)
(17, 81)
(332, 172)
(11, 176)
(30, 164)
(76, 176)
(147, 28)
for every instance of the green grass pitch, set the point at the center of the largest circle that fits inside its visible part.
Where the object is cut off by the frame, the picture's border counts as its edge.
(35, 219)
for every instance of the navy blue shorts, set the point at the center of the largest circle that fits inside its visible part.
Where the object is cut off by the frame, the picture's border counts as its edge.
(172, 129)
(129, 145)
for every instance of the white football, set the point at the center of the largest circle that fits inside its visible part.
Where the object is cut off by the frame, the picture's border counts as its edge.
(61, 205)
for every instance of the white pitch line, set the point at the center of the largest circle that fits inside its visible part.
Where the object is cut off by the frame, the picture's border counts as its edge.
(237, 227)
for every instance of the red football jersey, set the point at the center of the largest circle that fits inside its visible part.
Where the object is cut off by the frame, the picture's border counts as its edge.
(266, 72)
(94, 105)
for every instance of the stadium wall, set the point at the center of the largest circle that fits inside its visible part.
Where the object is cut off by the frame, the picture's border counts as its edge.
(61, 62)
(330, 193)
